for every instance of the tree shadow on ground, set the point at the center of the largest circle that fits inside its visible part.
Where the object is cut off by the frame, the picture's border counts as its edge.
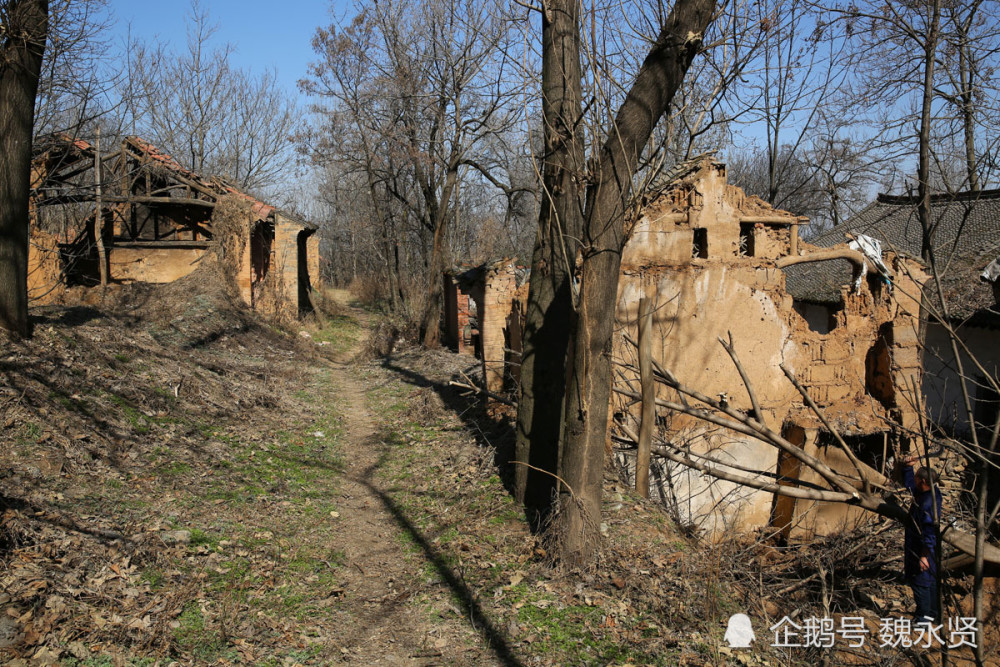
(472, 610)
(491, 430)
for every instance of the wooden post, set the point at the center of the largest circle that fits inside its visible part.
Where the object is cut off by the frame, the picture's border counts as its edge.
(102, 256)
(648, 396)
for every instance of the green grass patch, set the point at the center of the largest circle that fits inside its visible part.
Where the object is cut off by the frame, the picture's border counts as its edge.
(154, 577)
(195, 637)
(137, 421)
(107, 661)
(173, 469)
(341, 332)
(199, 537)
(28, 434)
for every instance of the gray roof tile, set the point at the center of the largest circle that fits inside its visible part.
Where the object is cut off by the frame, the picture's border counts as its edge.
(966, 237)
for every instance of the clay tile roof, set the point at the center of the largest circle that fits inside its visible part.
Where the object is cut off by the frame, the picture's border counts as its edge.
(967, 238)
(81, 144)
(61, 140)
(258, 207)
(160, 156)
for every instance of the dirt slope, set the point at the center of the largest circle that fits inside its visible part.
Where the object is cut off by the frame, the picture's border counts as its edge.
(182, 483)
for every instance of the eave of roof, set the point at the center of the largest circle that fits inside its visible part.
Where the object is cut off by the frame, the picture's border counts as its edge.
(259, 208)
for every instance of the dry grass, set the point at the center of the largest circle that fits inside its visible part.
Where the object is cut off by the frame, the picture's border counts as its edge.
(125, 424)
(370, 291)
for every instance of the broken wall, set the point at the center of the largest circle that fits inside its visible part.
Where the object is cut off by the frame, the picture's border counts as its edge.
(463, 292)
(483, 314)
(499, 292)
(152, 265)
(158, 221)
(706, 253)
(45, 284)
(277, 292)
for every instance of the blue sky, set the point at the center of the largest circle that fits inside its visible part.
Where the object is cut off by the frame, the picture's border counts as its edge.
(266, 35)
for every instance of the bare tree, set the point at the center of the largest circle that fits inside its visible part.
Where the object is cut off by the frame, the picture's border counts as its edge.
(599, 199)
(75, 79)
(968, 61)
(843, 173)
(790, 179)
(24, 25)
(547, 328)
(420, 90)
(215, 118)
(786, 88)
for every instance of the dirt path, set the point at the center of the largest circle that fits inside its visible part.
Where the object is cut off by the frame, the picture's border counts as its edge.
(397, 607)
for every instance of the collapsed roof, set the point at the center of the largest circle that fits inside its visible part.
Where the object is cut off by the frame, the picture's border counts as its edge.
(965, 239)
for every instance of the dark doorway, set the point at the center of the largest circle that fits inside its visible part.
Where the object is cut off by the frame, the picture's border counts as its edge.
(305, 286)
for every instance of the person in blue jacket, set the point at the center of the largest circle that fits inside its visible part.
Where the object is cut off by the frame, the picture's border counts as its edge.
(921, 540)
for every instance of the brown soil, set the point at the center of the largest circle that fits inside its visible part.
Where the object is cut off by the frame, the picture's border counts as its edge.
(382, 576)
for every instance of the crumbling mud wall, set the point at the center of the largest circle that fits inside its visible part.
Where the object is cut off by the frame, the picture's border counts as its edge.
(231, 224)
(461, 328)
(499, 292)
(483, 314)
(45, 284)
(707, 254)
(153, 265)
(158, 221)
(277, 271)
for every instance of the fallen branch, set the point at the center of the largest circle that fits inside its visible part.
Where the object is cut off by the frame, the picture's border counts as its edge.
(743, 480)
(847, 554)
(852, 256)
(747, 426)
(872, 502)
(469, 385)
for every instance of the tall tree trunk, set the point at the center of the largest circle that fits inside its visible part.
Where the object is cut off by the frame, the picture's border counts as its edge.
(965, 74)
(550, 301)
(589, 386)
(927, 227)
(923, 165)
(431, 323)
(25, 25)
(440, 212)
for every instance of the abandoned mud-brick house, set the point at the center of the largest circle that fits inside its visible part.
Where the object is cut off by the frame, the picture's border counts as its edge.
(156, 222)
(713, 261)
(483, 316)
(965, 242)
(845, 320)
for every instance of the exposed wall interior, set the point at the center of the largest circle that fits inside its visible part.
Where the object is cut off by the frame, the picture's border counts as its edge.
(726, 282)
